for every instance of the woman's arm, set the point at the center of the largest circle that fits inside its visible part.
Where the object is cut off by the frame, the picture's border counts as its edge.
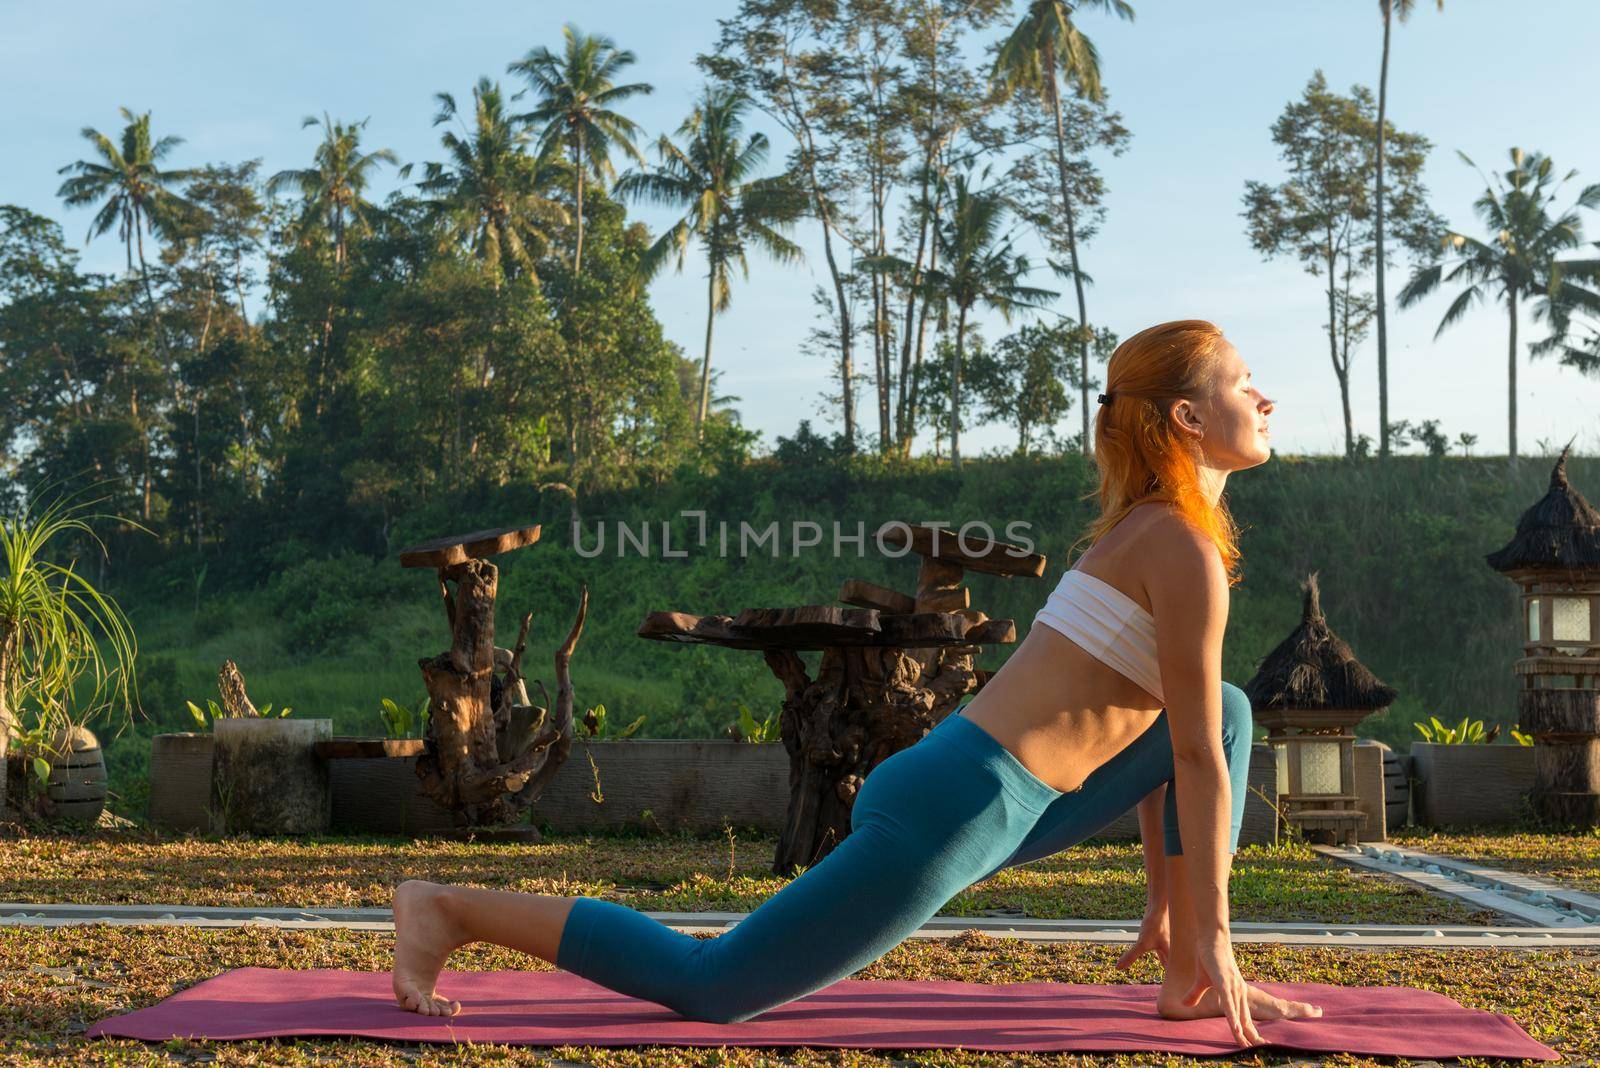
(1189, 598)
(1188, 587)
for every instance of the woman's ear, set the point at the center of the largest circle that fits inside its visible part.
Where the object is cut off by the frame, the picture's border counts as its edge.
(1188, 417)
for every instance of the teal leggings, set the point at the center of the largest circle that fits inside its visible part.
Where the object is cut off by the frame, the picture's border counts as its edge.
(929, 821)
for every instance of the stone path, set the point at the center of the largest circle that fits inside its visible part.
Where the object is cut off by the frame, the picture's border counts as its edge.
(1524, 898)
(1029, 929)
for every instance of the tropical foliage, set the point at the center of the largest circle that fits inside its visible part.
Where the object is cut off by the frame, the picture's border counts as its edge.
(55, 627)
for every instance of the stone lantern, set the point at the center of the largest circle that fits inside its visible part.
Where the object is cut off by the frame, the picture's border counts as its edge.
(1555, 557)
(1309, 693)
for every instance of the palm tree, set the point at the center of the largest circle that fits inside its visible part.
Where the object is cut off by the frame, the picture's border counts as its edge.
(576, 91)
(489, 193)
(334, 187)
(976, 265)
(138, 197)
(137, 192)
(1391, 9)
(1519, 261)
(728, 209)
(1046, 44)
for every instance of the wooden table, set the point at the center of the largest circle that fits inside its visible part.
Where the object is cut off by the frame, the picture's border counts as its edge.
(893, 665)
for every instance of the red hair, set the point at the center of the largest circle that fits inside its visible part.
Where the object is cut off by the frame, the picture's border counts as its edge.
(1140, 455)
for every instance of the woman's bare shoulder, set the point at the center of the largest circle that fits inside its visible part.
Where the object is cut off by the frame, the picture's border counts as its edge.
(1172, 550)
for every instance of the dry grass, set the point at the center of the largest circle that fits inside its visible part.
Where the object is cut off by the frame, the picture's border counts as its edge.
(1091, 881)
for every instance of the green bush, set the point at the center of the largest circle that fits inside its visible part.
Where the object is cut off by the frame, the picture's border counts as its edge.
(328, 601)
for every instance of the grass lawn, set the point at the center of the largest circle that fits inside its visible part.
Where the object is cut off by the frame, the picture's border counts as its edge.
(676, 873)
(58, 982)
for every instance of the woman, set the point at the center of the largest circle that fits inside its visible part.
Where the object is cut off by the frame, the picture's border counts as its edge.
(1069, 734)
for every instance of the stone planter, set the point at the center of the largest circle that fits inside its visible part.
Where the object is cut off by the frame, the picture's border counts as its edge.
(1465, 785)
(267, 777)
(180, 781)
(1381, 788)
(76, 787)
(376, 789)
(699, 785)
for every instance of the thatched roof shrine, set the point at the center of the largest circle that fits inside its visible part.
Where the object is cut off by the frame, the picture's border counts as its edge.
(1314, 668)
(1561, 531)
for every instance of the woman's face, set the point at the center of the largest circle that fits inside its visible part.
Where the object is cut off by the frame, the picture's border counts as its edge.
(1233, 421)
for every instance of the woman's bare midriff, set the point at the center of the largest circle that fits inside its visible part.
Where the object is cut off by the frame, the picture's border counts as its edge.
(1060, 711)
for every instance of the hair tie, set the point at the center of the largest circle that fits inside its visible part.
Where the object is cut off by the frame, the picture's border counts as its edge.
(1105, 398)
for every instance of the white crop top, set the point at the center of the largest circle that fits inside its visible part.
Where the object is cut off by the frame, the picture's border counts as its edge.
(1108, 624)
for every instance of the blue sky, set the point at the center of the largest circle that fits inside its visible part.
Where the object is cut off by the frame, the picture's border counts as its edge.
(1198, 84)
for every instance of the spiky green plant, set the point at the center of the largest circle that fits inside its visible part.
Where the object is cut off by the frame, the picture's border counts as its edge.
(55, 626)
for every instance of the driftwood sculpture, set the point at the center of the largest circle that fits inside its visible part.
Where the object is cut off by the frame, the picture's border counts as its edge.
(489, 751)
(893, 665)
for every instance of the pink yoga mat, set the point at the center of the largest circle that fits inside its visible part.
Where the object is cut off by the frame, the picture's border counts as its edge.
(559, 1008)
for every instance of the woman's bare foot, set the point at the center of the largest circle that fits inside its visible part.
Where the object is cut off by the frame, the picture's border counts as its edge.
(1263, 1006)
(424, 938)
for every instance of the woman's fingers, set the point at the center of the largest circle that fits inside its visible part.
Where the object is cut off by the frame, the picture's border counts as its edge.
(1248, 1021)
(1237, 1006)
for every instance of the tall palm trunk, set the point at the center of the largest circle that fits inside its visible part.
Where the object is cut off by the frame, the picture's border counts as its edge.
(1383, 323)
(577, 323)
(1511, 375)
(1072, 250)
(903, 430)
(847, 368)
(577, 152)
(846, 358)
(144, 270)
(1333, 353)
(150, 301)
(880, 326)
(955, 388)
(819, 203)
(705, 364)
(327, 312)
(922, 318)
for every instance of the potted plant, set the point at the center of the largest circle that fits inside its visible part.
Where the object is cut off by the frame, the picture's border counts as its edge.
(374, 780)
(1459, 777)
(54, 628)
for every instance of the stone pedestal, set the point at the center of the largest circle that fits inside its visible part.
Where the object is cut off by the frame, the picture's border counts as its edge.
(267, 777)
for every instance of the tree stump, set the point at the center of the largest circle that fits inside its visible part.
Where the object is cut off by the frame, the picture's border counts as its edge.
(865, 705)
(488, 750)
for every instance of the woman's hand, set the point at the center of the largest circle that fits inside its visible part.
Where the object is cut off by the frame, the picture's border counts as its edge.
(1217, 969)
(1154, 937)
